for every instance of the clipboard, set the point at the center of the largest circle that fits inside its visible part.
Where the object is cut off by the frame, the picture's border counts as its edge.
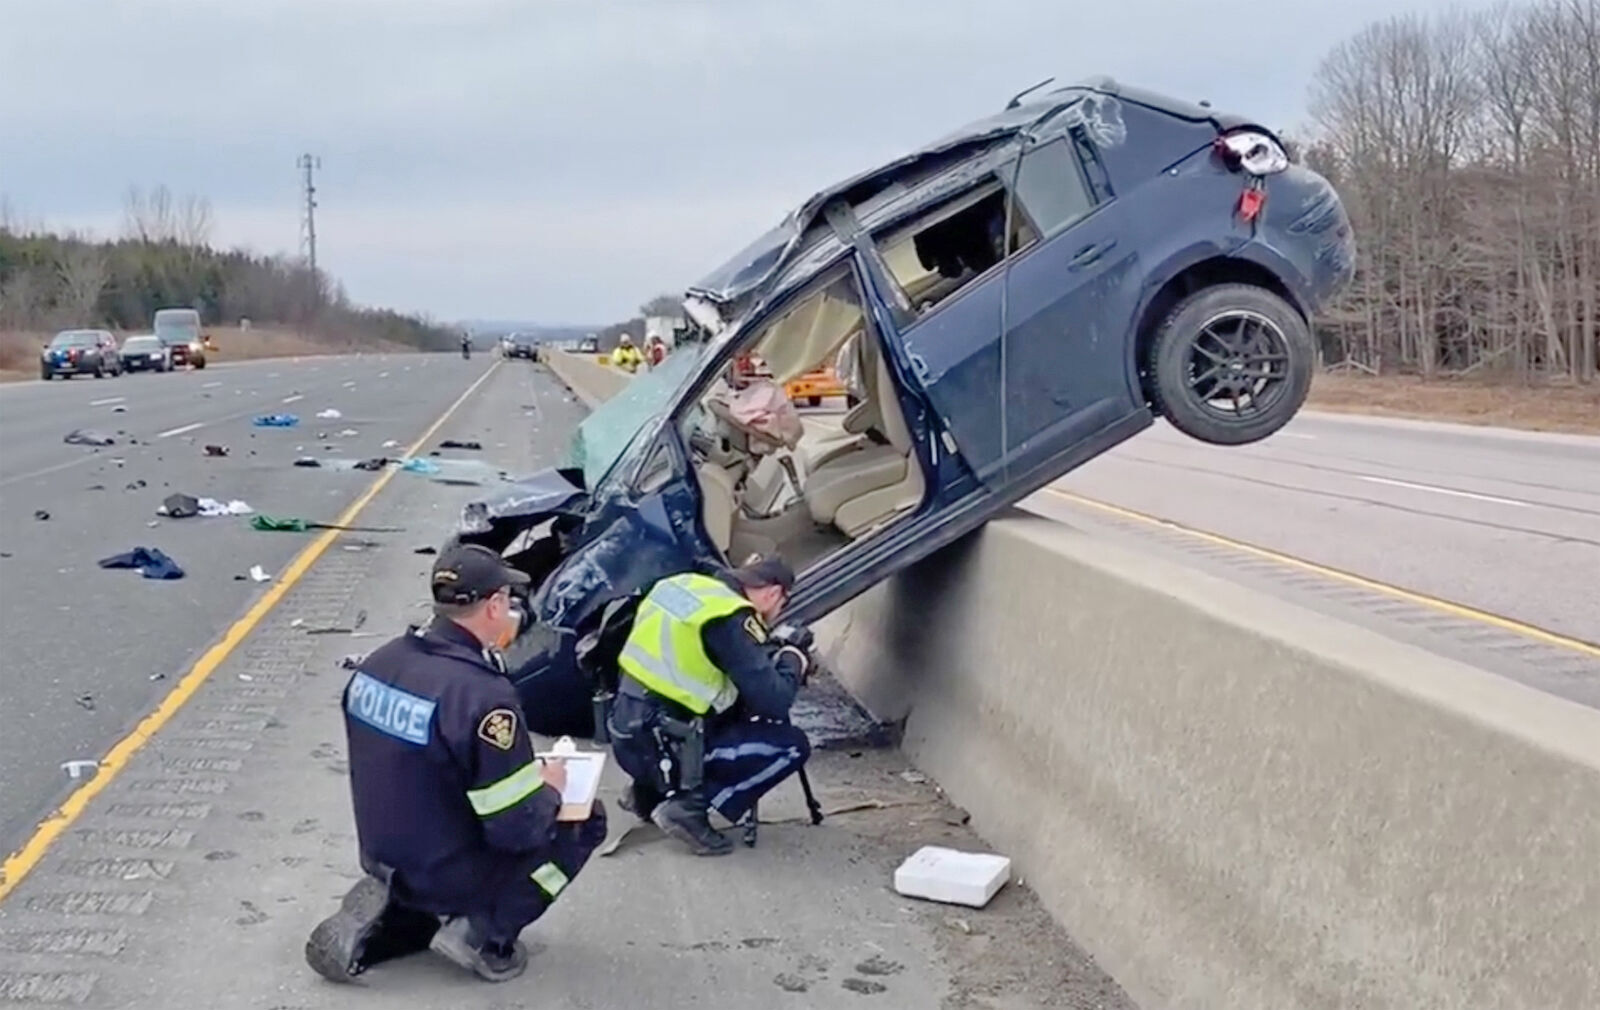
(584, 769)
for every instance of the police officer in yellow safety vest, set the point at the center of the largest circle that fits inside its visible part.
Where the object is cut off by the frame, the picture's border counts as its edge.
(699, 648)
(626, 356)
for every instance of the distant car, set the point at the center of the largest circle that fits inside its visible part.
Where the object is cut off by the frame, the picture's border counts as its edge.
(1007, 304)
(145, 353)
(521, 345)
(589, 345)
(179, 330)
(80, 352)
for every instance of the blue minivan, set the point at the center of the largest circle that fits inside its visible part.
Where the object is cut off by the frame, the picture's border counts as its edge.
(1008, 303)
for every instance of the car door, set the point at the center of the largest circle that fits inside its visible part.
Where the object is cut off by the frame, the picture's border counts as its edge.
(1069, 302)
(949, 314)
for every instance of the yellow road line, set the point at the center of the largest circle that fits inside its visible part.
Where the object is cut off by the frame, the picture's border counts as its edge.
(1422, 599)
(20, 863)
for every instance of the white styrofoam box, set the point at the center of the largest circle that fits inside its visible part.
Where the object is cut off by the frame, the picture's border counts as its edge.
(953, 877)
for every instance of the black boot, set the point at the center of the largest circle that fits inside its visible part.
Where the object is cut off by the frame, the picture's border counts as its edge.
(460, 942)
(684, 818)
(368, 929)
(640, 800)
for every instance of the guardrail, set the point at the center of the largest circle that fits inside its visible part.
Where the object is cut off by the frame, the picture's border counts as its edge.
(1234, 802)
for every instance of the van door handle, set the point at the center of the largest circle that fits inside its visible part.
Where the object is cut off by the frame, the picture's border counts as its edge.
(1090, 254)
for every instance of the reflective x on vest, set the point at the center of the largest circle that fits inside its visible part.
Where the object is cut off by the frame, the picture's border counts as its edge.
(665, 652)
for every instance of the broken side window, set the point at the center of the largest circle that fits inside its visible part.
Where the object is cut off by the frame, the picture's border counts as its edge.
(942, 252)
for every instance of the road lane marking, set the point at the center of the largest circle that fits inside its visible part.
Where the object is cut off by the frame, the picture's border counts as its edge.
(1460, 610)
(108, 401)
(1444, 490)
(179, 431)
(210, 385)
(20, 863)
(295, 397)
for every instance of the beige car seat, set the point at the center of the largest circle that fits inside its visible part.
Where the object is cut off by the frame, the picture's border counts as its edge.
(856, 489)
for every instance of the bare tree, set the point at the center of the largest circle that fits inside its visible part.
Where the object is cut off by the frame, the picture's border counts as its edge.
(83, 271)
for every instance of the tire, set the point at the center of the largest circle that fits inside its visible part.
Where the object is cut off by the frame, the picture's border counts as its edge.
(99, 369)
(45, 375)
(199, 362)
(1231, 364)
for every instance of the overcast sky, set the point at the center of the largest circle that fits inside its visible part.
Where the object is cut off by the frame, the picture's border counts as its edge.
(562, 160)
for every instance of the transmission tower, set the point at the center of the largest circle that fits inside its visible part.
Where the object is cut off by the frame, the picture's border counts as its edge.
(309, 163)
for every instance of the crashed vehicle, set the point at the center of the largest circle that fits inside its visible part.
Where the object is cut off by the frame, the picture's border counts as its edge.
(1009, 302)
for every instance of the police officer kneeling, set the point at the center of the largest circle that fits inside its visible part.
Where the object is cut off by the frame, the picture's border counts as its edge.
(455, 817)
(700, 720)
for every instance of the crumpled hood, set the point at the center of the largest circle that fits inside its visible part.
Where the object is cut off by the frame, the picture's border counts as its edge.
(533, 499)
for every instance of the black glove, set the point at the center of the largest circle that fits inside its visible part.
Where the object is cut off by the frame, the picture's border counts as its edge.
(793, 661)
(797, 635)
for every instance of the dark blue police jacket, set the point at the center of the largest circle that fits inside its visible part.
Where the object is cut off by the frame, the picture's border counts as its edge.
(442, 773)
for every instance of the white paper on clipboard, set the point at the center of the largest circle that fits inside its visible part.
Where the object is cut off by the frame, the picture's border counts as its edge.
(584, 769)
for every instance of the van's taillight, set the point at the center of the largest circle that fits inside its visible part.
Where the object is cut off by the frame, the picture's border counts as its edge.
(1253, 152)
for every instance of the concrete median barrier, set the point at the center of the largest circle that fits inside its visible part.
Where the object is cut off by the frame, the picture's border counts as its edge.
(1234, 802)
(593, 382)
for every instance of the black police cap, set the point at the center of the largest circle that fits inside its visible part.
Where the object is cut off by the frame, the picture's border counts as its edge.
(467, 573)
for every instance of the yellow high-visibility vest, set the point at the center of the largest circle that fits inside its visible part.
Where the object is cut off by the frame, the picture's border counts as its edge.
(664, 651)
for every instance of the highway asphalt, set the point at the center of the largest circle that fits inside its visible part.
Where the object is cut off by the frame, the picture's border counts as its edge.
(1503, 521)
(88, 651)
(206, 861)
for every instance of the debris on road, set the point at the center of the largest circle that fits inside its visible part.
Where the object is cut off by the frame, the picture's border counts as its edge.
(151, 562)
(393, 443)
(119, 409)
(351, 662)
(330, 414)
(451, 443)
(290, 524)
(375, 463)
(276, 421)
(179, 506)
(88, 436)
(418, 465)
(914, 777)
(951, 876)
(211, 508)
(135, 485)
(349, 433)
(426, 550)
(85, 701)
(41, 515)
(95, 487)
(259, 574)
(309, 461)
(216, 450)
(76, 768)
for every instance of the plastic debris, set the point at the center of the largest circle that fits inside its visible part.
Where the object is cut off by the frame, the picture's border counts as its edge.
(211, 508)
(41, 515)
(150, 561)
(216, 450)
(259, 574)
(329, 415)
(393, 443)
(375, 463)
(76, 769)
(135, 485)
(951, 876)
(349, 433)
(290, 524)
(308, 461)
(119, 409)
(426, 550)
(451, 443)
(88, 436)
(351, 662)
(418, 465)
(85, 701)
(276, 421)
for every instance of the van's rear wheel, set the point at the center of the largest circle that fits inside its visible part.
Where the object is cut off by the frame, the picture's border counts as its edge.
(1231, 364)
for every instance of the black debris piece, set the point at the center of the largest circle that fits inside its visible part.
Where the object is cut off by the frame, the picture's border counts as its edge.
(88, 436)
(95, 487)
(451, 443)
(136, 486)
(351, 662)
(41, 515)
(361, 618)
(119, 409)
(85, 701)
(151, 562)
(307, 461)
(241, 578)
(216, 450)
(426, 550)
(180, 506)
(375, 463)
(330, 631)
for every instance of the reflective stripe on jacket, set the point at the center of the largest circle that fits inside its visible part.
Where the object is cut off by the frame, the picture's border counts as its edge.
(665, 651)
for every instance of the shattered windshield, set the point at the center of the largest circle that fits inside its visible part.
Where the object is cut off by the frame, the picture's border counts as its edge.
(604, 435)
